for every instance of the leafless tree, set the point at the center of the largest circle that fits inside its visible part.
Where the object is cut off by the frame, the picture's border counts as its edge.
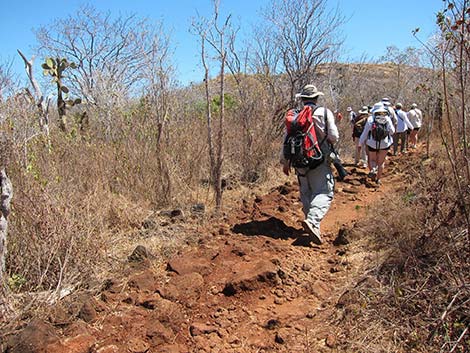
(111, 53)
(405, 64)
(6, 194)
(451, 51)
(265, 58)
(305, 32)
(37, 98)
(8, 84)
(158, 82)
(215, 33)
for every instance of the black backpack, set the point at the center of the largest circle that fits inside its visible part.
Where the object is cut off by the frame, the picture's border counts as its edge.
(379, 130)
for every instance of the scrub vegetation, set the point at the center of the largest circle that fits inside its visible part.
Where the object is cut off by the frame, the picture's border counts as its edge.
(87, 169)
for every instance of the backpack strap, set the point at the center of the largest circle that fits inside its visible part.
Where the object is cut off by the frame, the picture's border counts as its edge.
(398, 115)
(325, 117)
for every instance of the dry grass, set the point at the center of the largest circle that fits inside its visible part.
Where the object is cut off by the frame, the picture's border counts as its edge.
(81, 206)
(418, 296)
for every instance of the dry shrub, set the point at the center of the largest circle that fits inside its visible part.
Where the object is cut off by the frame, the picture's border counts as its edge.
(72, 199)
(423, 301)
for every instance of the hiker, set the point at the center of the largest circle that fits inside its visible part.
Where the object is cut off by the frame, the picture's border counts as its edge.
(402, 128)
(388, 105)
(316, 184)
(338, 115)
(352, 114)
(377, 135)
(358, 126)
(415, 116)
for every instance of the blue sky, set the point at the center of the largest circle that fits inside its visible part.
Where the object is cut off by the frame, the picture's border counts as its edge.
(372, 24)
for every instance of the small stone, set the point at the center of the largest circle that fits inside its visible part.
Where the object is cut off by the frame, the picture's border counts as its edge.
(198, 329)
(351, 191)
(278, 301)
(310, 315)
(198, 208)
(306, 267)
(330, 341)
(149, 224)
(87, 312)
(341, 238)
(272, 324)
(278, 338)
(136, 345)
(139, 254)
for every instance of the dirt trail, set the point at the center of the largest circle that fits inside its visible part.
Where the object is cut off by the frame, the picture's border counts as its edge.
(253, 284)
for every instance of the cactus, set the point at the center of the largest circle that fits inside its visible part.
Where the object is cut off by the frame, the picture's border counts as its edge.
(56, 68)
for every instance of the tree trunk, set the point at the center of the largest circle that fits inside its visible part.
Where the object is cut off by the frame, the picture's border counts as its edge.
(220, 139)
(41, 103)
(6, 196)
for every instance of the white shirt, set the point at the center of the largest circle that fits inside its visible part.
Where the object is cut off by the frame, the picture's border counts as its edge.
(318, 117)
(393, 114)
(352, 115)
(367, 138)
(415, 116)
(403, 123)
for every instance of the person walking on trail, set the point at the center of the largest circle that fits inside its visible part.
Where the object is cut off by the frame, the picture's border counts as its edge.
(377, 135)
(388, 105)
(352, 114)
(415, 116)
(316, 185)
(338, 115)
(358, 126)
(402, 128)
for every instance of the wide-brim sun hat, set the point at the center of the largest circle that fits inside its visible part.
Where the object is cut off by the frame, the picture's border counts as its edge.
(364, 111)
(310, 91)
(399, 105)
(379, 108)
(414, 105)
(349, 109)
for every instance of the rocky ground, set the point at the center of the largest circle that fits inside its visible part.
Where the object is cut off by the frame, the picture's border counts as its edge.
(252, 283)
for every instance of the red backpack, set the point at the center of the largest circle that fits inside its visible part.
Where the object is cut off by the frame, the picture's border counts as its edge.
(301, 145)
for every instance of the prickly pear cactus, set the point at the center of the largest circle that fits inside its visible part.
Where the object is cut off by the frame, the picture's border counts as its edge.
(55, 67)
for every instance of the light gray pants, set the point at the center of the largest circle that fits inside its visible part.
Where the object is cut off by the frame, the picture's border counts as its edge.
(316, 192)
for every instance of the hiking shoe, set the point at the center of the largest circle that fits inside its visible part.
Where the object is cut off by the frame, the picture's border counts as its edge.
(372, 174)
(312, 231)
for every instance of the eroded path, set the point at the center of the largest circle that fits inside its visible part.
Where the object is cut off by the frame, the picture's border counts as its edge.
(253, 283)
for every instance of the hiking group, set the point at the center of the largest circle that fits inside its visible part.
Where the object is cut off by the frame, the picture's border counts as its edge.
(311, 132)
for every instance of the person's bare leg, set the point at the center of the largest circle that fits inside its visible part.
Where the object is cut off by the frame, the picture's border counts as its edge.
(357, 151)
(372, 162)
(380, 164)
